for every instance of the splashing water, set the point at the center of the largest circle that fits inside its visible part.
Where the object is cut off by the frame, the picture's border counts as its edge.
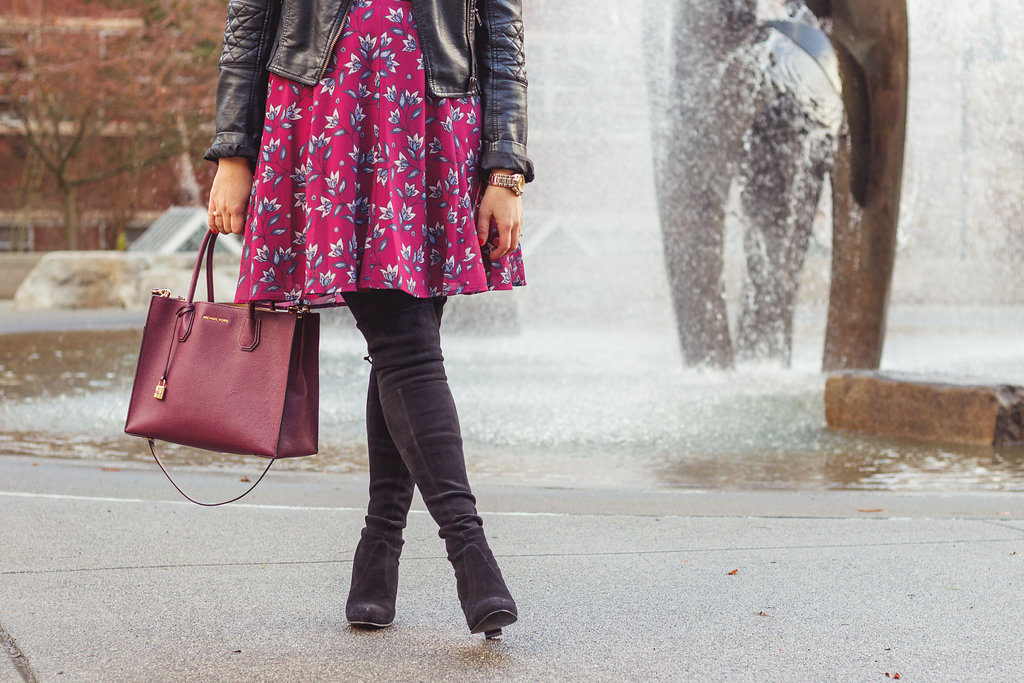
(588, 388)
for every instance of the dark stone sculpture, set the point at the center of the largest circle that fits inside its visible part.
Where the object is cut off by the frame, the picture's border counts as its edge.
(871, 38)
(698, 121)
(787, 153)
(698, 124)
(782, 171)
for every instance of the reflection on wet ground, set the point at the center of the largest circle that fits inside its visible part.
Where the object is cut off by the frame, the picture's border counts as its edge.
(547, 407)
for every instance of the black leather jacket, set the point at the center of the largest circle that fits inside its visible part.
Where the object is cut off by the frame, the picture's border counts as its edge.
(469, 47)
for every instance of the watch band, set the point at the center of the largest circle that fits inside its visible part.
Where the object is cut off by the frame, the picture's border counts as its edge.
(513, 181)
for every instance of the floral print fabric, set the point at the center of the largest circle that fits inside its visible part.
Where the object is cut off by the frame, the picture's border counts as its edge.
(364, 181)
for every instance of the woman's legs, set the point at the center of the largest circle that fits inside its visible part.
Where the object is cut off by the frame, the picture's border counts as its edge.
(391, 484)
(374, 586)
(403, 338)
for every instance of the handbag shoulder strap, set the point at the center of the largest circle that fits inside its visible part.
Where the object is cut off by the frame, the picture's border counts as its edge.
(152, 449)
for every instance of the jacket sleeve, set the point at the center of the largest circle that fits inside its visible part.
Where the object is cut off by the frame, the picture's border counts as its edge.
(501, 61)
(242, 84)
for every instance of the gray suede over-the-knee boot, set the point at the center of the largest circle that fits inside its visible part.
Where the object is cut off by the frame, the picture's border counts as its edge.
(374, 586)
(403, 339)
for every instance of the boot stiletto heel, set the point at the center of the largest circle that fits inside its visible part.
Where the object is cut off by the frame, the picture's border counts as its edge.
(485, 599)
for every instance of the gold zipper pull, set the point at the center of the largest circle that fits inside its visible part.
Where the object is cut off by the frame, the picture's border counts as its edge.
(330, 50)
(160, 389)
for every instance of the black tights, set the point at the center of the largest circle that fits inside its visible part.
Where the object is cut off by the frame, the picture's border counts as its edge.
(412, 425)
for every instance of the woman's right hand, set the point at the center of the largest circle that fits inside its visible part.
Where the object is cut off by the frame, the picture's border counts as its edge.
(229, 196)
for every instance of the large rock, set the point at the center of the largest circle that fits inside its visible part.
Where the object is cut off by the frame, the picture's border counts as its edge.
(14, 268)
(115, 279)
(892, 404)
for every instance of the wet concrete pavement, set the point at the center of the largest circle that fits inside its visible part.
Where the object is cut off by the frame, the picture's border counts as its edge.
(12, 322)
(107, 575)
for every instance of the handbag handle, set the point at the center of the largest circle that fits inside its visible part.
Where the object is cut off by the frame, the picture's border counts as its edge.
(152, 449)
(185, 312)
(209, 240)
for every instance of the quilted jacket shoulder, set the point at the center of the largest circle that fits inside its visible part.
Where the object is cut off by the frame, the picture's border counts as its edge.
(469, 47)
(242, 84)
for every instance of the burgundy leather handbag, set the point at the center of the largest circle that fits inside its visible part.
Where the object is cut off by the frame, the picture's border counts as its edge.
(234, 378)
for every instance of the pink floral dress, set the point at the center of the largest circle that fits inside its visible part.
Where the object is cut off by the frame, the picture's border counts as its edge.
(365, 181)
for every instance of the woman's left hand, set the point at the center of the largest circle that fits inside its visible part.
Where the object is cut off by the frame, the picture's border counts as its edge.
(506, 208)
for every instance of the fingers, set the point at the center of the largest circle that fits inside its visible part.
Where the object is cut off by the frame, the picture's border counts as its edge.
(505, 211)
(483, 224)
(213, 217)
(236, 220)
(509, 230)
(219, 221)
(229, 197)
(226, 221)
(503, 242)
(226, 224)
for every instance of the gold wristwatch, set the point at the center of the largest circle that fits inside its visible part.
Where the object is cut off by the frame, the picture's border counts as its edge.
(513, 181)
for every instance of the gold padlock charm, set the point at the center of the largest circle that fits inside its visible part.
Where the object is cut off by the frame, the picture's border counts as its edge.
(160, 389)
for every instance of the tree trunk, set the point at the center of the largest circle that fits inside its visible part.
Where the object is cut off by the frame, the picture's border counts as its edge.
(69, 200)
(188, 184)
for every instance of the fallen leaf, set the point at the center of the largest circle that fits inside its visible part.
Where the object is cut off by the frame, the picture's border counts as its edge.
(870, 509)
(895, 675)
(35, 464)
(733, 572)
(1013, 553)
(244, 479)
(762, 613)
(236, 651)
(111, 469)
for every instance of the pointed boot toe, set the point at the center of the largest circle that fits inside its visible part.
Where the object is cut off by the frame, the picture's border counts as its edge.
(492, 615)
(370, 615)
